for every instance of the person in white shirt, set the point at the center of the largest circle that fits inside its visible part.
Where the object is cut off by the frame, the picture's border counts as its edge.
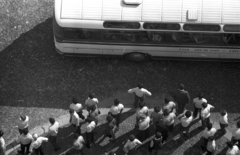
(186, 120)
(232, 149)
(142, 110)
(223, 121)
(169, 105)
(205, 114)
(116, 110)
(91, 125)
(53, 132)
(208, 132)
(77, 107)
(144, 127)
(197, 103)
(2, 143)
(91, 102)
(169, 119)
(236, 135)
(131, 144)
(139, 93)
(37, 144)
(22, 123)
(25, 139)
(211, 146)
(75, 121)
(78, 144)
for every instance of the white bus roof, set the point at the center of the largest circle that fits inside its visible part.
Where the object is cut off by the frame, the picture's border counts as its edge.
(180, 11)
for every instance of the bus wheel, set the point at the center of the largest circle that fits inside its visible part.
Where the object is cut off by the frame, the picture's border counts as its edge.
(136, 57)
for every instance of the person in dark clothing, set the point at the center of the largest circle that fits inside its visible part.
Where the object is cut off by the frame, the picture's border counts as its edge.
(156, 144)
(182, 98)
(163, 130)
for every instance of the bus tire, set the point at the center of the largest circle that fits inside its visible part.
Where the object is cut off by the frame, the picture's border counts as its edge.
(137, 57)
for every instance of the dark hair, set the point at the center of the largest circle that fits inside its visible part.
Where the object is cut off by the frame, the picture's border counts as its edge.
(238, 124)
(91, 95)
(166, 100)
(71, 111)
(131, 137)
(25, 132)
(23, 117)
(157, 108)
(223, 112)
(158, 135)
(204, 104)
(211, 138)
(200, 95)
(52, 120)
(188, 114)
(141, 104)
(109, 118)
(165, 112)
(209, 126)
(230, 144)
(116, 101)
(111, 153)
(1, 133)
(74, 100)
(140, 85)
(181, 86)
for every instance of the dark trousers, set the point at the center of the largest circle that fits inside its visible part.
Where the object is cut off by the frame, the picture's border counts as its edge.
(181, 108)
(117, 117)
(205, 122)
(170, 127)
(144, 134)
(77, 129)
(25, 148)
(204, 144)
(209, 153)
(197, 111)
(223, 127)
(89, 138)
(235, 141)
(53, 141)
(80, 114)
(137, 100)
(22, 130)
(39, 151)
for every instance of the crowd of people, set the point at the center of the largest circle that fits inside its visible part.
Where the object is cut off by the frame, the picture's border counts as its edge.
(161, 120)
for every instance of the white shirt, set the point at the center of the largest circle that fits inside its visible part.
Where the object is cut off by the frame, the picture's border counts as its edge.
(139, 92)
(209, 133)
(25, 139)
(79, 143)
(169, 120)
(75, 119)
(116, 109)
(53, 129)
(169, 106)
(132, 144)
(76, 107)
(211, 145)
(186, 121)
(233, 151)
(198, 102)
(91, 102)
(91, 126)
(224, 119)
(143, 111)
(22, 124)
(144, 124)
(38, 142)
(2, 143)
(205, 113)
(236, 134)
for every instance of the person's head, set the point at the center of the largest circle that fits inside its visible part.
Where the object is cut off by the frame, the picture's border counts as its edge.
(35, 136)
(223, 112)
(209, 126)
(91, 95)
(200, 95)
(1, 133)
(25, 132)
(140, 85)
(74, 100)
(157, 109)
(188, 114)
(71, 111)
(131, 137)
(52, 120)
(116, 101)
(142, 116)
(204, 105)
(23, 117)
(211, 138)
(109, 118)
(141, 105)
(165, 112)
(230, 144)
(158, 135)
(166, 100)
(238, 124)
(181, 87)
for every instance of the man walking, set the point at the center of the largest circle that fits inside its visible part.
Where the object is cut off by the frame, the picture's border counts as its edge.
(91, 102)
(77, 107)
(182, 98)
(22, 123)
(91, 125)
(116, 110)
(37, 144)
(140, 93)
(25, 139)
(53, 132)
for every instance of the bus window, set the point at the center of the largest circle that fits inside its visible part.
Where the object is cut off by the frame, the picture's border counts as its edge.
(200, 38)
(162, 26)
(81, 34)
(122, 36)
(201, 27)
(231, 28)
(231, 38)
(91, 34)
(124, 25)
(163, 37)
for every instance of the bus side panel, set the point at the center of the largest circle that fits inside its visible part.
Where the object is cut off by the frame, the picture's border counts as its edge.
(230, 55)
(200, 55)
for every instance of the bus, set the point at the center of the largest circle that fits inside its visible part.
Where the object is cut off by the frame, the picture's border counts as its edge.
(139, 30)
